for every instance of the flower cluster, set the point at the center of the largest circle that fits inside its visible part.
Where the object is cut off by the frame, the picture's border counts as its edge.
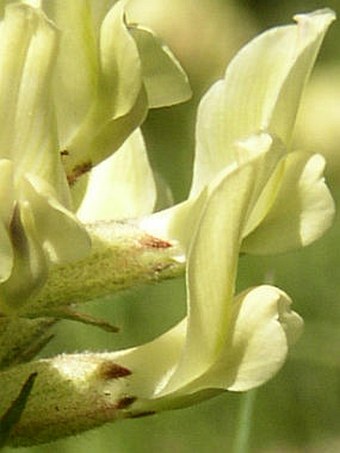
(76, 81)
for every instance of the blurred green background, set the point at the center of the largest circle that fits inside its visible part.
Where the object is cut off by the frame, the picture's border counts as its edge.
(299, 410)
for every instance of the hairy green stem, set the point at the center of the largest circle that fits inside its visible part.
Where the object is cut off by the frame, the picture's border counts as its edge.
(73, 393)
(122, 256)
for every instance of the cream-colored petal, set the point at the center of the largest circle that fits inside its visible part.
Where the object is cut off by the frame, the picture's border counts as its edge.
(178, 223)
(6, 211)
(119, 104)
(262, 328)
(121, 187)
(181, 221)
(302, 211)
(122, 75)
(76, 76)
(28, 133)
(33, 3)
(211, 271)
(213, 255)
(6, 190)
(28, 48)
(6, 252)
(14, 41)
(261, 91)
(57, 229)
(154, 362)
(30, 265)
(165, 81)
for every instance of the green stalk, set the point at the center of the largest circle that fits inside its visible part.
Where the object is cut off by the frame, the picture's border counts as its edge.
(122, 256)
(244, 423)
